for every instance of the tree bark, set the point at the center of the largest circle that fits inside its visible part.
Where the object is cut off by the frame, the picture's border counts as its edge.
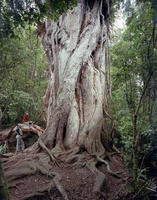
(79, 79)
(4, 194)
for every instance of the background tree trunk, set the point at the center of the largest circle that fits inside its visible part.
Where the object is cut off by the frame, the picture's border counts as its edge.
(4, 194)
(79, 78)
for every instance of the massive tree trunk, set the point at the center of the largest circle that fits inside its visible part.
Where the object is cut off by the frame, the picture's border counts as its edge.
(77, 101)
(78, 96)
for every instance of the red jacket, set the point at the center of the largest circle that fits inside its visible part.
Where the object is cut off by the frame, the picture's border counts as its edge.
(25, 118)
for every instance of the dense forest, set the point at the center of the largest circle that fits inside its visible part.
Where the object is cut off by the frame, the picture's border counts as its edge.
(90, 84)
(23, 76)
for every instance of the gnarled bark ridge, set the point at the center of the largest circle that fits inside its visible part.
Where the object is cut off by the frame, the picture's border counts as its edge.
(79, 83)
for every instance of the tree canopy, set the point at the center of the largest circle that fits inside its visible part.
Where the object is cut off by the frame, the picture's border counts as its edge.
(15, 13)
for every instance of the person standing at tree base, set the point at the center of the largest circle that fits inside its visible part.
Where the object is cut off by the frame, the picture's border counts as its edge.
(19, 139)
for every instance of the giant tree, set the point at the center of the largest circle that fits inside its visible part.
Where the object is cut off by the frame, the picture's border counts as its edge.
(78, 96)
(79, 83)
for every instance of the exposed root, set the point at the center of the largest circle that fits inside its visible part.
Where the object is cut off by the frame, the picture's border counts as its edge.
(115, 149)
(34, 149)
(60, 188)
(100, 177)
(76, 158)
(30, 168)
(65, 154)
(72, 159)
(48, 151)
(6, 155)
(108, 167)
(56, 181)
(22, 166)
(116, 153)
(57, 151)
(25, 170)
(75, 151)
(40, 192)
(17, 182)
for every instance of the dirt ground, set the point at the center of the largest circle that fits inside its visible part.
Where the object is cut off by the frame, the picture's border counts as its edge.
(78, 182)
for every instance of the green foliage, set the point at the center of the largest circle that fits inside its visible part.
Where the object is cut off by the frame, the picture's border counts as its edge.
(15, 13)
(30, 141)
(19, 102)
(23, 77)
(142, 189)
(134, 59)
(59, 7)
(3, 149)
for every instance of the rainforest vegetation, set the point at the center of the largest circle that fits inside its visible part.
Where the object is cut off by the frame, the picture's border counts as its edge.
(91, 86)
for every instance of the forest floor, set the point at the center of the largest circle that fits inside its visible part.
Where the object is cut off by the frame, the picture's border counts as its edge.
(78, 182)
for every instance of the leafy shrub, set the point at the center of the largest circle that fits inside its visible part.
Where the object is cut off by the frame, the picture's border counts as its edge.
(142, 189)
(3, 149)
